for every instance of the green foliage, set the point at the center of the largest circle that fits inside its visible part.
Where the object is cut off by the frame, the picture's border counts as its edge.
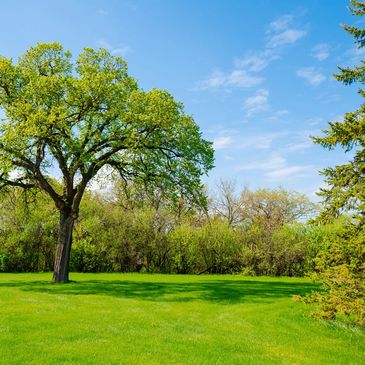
(89, 113)
(288, 250)
(184, 244)
(341, 260)
(346, 189)
(28, 227)
(129, 231)
(80, 116)
(274, 208)
(220, 248)
(340, 266)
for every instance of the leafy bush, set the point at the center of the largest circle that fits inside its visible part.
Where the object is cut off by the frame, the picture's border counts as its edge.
(340, 266)
(111, 235)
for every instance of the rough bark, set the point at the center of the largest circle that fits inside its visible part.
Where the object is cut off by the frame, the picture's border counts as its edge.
(63, 249)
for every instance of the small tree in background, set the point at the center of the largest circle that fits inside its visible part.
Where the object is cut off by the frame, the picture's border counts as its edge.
(71, 119)
(341, 262)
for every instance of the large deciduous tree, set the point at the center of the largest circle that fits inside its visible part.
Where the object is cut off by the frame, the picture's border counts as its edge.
(70, 119)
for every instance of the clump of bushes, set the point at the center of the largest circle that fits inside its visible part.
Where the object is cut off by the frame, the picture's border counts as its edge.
(114, 234)
(340, 267)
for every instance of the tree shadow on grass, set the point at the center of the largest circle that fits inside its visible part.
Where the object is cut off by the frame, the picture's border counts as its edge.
(220, 291)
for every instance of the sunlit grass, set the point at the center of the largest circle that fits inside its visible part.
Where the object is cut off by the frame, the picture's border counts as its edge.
(166, 319)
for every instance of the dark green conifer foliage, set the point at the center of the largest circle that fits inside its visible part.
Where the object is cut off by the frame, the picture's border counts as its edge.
(346, 185)
(340, 263)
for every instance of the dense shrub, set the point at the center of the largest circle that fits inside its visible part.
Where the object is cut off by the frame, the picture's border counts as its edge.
(184, 250)
(28, 231)
(112, 234)
(340, 267)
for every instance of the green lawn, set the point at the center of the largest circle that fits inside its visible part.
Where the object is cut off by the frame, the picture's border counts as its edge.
(166, 319)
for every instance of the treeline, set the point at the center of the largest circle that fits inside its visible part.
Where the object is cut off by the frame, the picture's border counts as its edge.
(129, 229)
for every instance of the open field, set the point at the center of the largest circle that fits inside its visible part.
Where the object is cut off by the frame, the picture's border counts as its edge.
(166, 319)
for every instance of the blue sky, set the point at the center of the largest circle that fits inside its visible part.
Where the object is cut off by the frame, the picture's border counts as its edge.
(256, 75)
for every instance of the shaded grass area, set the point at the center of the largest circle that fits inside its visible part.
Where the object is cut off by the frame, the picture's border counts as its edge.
(166, 319)
(224, 291)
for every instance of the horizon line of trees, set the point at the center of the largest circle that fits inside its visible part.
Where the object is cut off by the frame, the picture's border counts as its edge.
(260, 232)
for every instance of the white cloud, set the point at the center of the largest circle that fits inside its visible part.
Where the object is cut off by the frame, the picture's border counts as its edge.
(237, 78)
(314, 121)
(286, 37)
(273, 162)
(256, 103)
(281, 23)
(255, 61)
(299, 146)
(121, 50)
(289, 172)
(276, 168)
(321, 51)
(221, 142)
(278, 115)
(281, 33)
(326, 98)
(312, 76)
(356, 54)
(103, 44)
(263, 141)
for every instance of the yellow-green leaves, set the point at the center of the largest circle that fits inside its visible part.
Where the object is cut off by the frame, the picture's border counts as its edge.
(82, 115)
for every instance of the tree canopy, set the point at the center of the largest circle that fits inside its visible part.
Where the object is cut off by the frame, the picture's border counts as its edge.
(69, 119)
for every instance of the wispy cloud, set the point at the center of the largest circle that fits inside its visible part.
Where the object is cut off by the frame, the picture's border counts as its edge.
(255, 61)
(273, 162)
(263, 141)
(276, 168)
(289, 172)
(312, 76)
(279, 114)
(300, 141)
(121, 50)
(281, 33)
(288, 36)
(281, 23)
(314, 121)
(321, 51)
(329, 97)
(354, 55)
(256, 103)
(221, 142)
(299, 146)
(235, 79)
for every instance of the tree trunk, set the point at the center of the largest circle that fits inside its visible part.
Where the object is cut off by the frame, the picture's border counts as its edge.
(63, 249)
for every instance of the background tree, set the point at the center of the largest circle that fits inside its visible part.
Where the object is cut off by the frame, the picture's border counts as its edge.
(273, 208)
(71, 119)
(341, 262)
(226, 203)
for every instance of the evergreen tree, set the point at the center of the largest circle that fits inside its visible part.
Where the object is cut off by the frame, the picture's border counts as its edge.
(341, 260)
(346, 184)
